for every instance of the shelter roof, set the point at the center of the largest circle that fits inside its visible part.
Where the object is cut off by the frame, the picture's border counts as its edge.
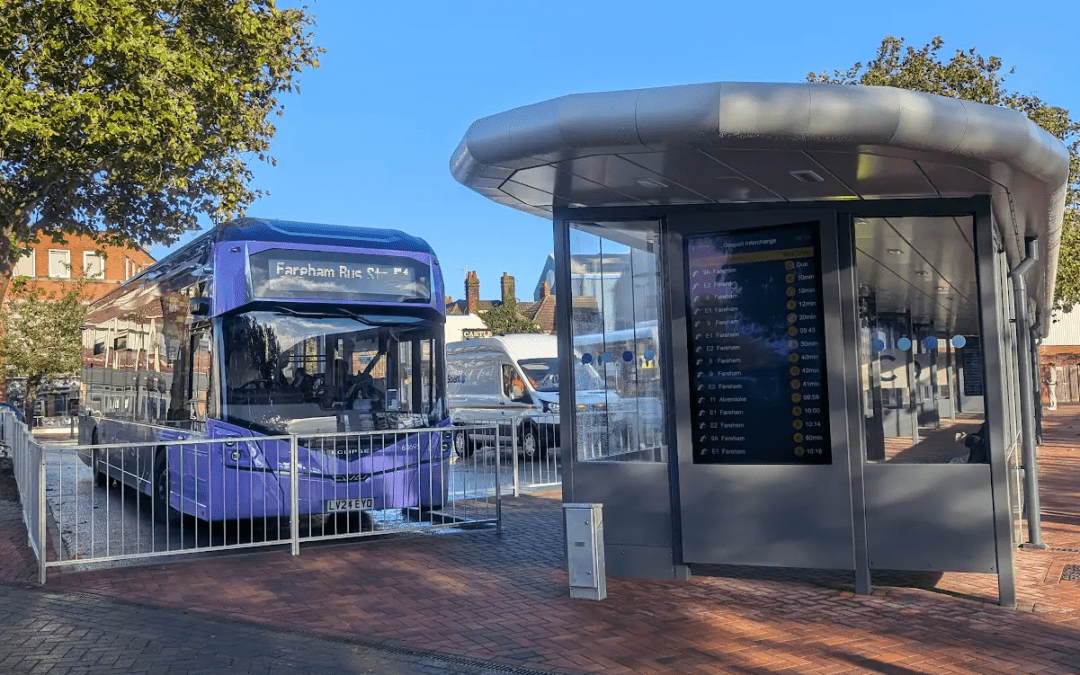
(736, 142)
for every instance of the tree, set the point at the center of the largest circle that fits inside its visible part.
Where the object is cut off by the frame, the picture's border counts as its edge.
(506, 318)
(41, 336)
(972, 77)
(127, 119)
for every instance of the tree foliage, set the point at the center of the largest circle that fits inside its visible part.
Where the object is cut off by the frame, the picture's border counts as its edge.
(507, 318)
(127, 119)
(970, 76)
(41, 335)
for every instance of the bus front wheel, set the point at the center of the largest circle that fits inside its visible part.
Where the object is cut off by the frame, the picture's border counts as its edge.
(163, 511)
(100, 479)
(96, 465)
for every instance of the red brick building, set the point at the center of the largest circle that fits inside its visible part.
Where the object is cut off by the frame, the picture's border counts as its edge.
(54, 265)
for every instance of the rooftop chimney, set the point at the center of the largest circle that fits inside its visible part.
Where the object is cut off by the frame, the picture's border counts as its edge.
(545, 290)
(472, 292)
(507, 288)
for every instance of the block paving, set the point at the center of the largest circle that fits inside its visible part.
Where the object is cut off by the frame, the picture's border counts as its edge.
(501, 601)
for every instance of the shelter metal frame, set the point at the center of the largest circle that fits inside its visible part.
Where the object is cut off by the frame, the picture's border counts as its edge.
(838, 250)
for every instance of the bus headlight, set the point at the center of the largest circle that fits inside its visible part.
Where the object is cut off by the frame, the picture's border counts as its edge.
(551, 407)
(242, 454)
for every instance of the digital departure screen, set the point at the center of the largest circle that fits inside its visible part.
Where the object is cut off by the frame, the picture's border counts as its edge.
(756, 347)
(327, 275)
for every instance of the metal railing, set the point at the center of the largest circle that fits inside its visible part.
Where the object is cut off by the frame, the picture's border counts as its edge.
(106, 503)
(27, 459)
(530, 450)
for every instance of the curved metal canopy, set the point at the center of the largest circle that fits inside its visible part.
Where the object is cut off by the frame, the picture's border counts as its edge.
(736, 142)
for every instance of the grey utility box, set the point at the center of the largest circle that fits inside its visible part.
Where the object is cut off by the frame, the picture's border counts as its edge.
(585, 550)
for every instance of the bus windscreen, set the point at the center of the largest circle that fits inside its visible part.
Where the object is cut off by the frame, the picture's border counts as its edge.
(328, 275)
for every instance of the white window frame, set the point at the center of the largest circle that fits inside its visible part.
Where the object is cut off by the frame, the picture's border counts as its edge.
(65, 271)
(26, 263)
(88, 257)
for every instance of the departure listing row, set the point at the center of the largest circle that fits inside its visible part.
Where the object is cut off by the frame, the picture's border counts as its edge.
(756, 341)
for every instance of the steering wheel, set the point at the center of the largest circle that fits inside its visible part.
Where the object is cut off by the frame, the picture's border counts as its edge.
(256, 384)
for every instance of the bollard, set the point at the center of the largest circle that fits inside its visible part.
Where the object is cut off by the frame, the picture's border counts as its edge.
(585, 550)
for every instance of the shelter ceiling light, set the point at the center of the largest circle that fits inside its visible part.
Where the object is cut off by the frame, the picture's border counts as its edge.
(894, 251)
(650, 183)
(921, 273)
(806, 176)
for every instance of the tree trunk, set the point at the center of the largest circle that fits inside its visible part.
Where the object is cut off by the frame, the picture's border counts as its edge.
(5, 281)
(7, 265)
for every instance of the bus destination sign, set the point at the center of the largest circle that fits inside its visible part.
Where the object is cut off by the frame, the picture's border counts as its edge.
(323, 275)
(757, 357)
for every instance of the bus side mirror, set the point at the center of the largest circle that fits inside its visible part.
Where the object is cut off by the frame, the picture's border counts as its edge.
(199, 306)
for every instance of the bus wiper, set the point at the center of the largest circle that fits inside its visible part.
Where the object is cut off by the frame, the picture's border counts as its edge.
(353, 315)
(344, 313)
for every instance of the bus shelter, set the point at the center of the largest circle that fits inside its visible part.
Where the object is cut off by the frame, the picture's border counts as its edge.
(813, 311)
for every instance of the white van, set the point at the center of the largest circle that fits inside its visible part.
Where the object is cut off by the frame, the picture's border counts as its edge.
(512, 381)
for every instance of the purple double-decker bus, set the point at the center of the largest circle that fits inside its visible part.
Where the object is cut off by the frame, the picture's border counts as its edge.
(265, 338)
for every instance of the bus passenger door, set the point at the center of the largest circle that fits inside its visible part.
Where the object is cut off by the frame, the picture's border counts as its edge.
(200, 403)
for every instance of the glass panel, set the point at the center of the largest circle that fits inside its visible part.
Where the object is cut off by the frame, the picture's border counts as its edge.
(94, 265)
(59, 263)
(1011, 361)
(919, 347)
(26, 266)
(290, 374)
(200, 376)
(615, 317)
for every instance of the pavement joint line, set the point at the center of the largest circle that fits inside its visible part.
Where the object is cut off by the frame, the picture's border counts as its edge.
(386, 645)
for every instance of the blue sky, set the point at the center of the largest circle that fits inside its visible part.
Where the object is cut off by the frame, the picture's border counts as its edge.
(368, 139)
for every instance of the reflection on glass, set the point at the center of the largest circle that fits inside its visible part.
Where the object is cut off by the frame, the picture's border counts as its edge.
(921, 362)
(615, 314)
(292, 374)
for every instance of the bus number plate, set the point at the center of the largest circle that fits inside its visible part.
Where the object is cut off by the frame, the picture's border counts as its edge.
(339, 505)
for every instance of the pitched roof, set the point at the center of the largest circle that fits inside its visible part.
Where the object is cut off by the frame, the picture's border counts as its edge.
(542, 311)
(461, 307)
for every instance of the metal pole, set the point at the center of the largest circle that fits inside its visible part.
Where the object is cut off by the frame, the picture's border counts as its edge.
(294, 497)
(514, 459)
(1036, 385)
(1027, 407)
(26, 473)
(498, 483)
(42, 548)
(912, 383)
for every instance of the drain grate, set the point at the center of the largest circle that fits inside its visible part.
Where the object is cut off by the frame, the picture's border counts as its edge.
(1071, 573)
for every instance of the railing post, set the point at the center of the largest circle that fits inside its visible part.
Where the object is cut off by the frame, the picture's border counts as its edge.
(28, 502)
(498, 484)
(42, 548)
(294, 497)
(514, 459)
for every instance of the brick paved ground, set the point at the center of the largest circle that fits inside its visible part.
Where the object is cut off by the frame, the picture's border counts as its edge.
(65, 634)
(504, 599)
